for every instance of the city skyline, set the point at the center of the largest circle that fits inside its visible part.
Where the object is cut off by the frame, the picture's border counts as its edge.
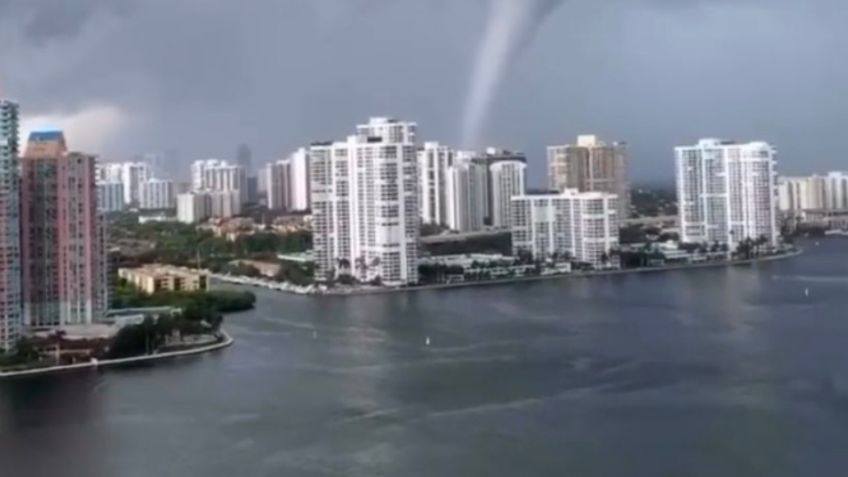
(142, 105)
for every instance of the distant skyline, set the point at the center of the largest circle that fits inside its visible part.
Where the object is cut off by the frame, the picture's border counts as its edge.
(278, 75)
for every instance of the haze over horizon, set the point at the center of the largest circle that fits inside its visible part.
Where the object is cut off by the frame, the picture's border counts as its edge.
(131, 76)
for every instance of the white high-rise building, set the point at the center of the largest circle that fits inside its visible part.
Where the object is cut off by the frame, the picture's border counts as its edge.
(110, 172)
(198, 172)
(836, 191)
(11, 298)
(796, 194)
(389, 131)
(193, 207)
(110, 196)
(156, 194)
(365, 204)
(130, 174)
(225, 204)
(220, 176)
(465, 199)
(278, 177)
(727, 192)
(507, 180)
(582, 226)
(299, 180)
(133, 174)
(434, 161)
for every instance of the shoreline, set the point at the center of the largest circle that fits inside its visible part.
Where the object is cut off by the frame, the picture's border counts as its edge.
(584, 275)
(513, 280)
(109, 363)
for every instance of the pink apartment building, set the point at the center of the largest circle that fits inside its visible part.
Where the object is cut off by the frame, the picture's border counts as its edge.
(62, 235)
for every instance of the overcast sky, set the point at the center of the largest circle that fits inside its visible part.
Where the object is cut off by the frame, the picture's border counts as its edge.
(130, 76)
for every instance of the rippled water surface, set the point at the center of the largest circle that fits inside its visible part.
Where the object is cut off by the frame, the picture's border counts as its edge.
(724, 372)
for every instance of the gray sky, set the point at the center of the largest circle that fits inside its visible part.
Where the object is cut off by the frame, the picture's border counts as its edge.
(128, 76)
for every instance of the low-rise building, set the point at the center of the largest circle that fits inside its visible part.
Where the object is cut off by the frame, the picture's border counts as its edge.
(156, 278)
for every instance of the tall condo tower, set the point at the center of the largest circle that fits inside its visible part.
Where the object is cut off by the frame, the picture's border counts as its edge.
(11, 298)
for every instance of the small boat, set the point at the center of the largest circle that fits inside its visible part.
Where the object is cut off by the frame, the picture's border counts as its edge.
(807, 292)
(427, 341)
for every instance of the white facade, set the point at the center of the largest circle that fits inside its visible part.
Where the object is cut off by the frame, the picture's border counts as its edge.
(11, 298)
(220, 176)
(816, 192)
(797, 194)
(278, 177)
(110, 196)
(193, 207)
(508, 179)
(133, 174)
(727, 192)
(155, 194)
(299, 180)
(582, 226)
(130, 174)
(466, 196)
(365, 204)
(836, 191)
(434, 161)
(225, 204)
(110, 172)
(389, 130)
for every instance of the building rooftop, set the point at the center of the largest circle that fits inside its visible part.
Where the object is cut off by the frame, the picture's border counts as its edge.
(47, 135)
(46, 144)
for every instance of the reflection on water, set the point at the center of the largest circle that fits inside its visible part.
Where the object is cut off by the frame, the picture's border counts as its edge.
(730, 372)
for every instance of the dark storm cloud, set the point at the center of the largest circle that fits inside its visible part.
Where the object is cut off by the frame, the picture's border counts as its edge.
(204, 75)
(45, 20)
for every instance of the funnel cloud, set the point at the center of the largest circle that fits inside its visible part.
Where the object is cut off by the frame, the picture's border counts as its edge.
(512, 24)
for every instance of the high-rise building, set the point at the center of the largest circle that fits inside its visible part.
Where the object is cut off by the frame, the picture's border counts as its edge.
(194, 207)
(508, 179)
(224, 204)
(836, 191)
(365, 204)
(592, 165)
(63, 236)
(11, 297)
(110, 172)
(727, 192)
(220, 176)
(796, 194)
(244, 158)
(582, 226)
(279, 190)
(110, 196)
(130, 174)
(133, 174)
(816, 192)
(156, 194)
(466, 186)
(434, 160)
(514, 162)
(300, 181)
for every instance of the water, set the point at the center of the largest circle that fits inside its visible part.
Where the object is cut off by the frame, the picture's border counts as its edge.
(731, 372)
